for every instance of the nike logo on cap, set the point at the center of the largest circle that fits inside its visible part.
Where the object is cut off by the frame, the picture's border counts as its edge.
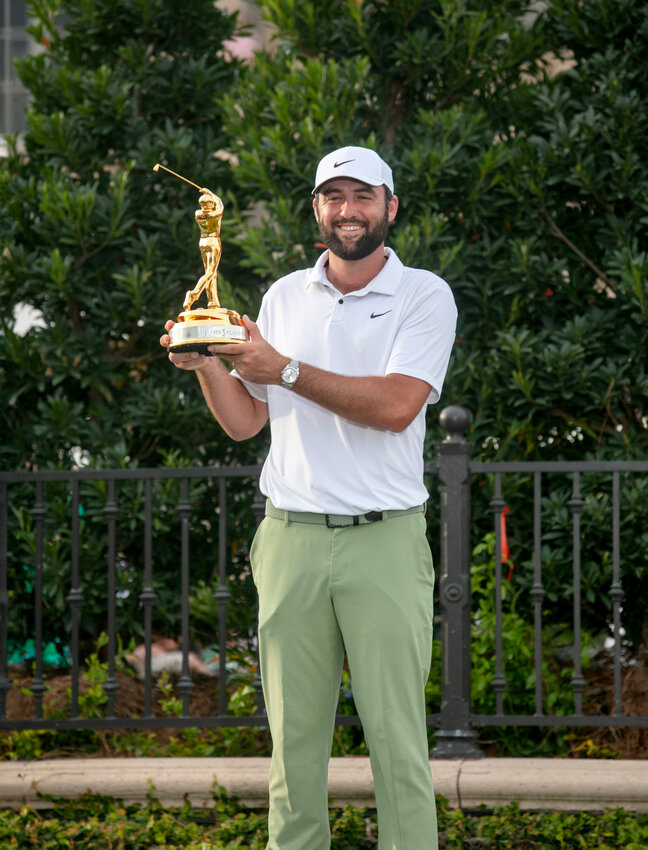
(344, 162)
(377, 315)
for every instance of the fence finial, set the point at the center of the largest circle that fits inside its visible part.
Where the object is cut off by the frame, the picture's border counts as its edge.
(455, 421)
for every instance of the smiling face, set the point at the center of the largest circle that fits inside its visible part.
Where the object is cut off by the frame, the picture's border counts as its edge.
(353, 217)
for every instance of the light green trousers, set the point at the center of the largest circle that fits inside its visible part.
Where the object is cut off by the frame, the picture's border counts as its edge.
(366, 590)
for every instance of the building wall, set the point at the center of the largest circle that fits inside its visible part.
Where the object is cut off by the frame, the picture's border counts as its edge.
(14, 44)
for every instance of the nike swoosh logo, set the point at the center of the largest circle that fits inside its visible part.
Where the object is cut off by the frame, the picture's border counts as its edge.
(344, 162)
(377, 315)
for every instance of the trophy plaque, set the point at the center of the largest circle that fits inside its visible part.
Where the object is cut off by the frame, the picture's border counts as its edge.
(197, 329)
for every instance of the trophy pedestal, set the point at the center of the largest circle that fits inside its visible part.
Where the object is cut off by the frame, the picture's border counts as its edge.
(196, 330)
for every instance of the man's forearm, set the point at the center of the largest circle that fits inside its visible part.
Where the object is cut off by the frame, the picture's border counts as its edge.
(239, 414)
(389, 403)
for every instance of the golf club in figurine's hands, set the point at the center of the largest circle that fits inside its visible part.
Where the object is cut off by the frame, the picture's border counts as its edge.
(196, 330)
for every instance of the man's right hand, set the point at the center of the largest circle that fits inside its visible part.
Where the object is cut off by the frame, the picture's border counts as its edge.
(192, 361)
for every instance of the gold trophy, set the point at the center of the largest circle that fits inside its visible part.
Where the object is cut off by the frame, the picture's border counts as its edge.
(196, 330)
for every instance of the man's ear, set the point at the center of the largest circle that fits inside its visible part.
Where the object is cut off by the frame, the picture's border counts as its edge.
(315, 209)
(392, 209)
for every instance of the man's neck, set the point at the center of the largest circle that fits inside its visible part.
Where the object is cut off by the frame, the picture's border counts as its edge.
(351, 275)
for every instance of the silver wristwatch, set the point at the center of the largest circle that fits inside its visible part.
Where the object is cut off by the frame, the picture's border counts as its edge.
(289, 374)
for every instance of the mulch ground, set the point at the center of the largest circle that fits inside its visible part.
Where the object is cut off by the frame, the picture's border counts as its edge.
(631, 742)
(129, 702)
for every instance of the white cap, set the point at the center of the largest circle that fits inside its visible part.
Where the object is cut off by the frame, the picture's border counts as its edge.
(357, 164)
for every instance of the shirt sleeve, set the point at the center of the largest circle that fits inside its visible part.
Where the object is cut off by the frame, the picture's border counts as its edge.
(425, 338)
(258, 391)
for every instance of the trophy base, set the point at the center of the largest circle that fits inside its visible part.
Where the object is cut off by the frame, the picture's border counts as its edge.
(196, 330)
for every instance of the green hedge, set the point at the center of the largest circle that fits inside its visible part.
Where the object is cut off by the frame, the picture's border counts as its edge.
(95, 821)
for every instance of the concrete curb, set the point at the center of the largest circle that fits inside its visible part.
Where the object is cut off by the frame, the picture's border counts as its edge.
(536, 784)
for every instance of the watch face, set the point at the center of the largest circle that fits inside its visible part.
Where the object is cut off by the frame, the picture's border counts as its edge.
(289, 374)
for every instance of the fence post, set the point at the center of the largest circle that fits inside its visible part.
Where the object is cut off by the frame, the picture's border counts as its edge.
(455, 736)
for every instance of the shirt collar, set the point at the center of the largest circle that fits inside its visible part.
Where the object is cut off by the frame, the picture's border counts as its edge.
(385, 281)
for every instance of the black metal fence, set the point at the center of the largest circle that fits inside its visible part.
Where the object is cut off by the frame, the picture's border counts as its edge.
(453, 475)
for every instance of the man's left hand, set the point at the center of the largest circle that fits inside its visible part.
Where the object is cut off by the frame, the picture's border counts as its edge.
(256, 361)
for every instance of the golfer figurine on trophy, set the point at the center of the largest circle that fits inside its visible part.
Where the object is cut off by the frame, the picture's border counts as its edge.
(197, 329)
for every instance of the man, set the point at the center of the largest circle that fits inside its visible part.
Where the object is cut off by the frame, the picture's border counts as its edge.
(343, 361)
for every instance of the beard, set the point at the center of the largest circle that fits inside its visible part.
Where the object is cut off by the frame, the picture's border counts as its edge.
(372, 238)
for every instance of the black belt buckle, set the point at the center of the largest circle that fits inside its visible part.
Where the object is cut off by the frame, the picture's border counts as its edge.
(374, 516)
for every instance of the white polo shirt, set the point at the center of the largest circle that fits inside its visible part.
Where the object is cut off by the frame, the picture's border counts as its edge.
(402, 322)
